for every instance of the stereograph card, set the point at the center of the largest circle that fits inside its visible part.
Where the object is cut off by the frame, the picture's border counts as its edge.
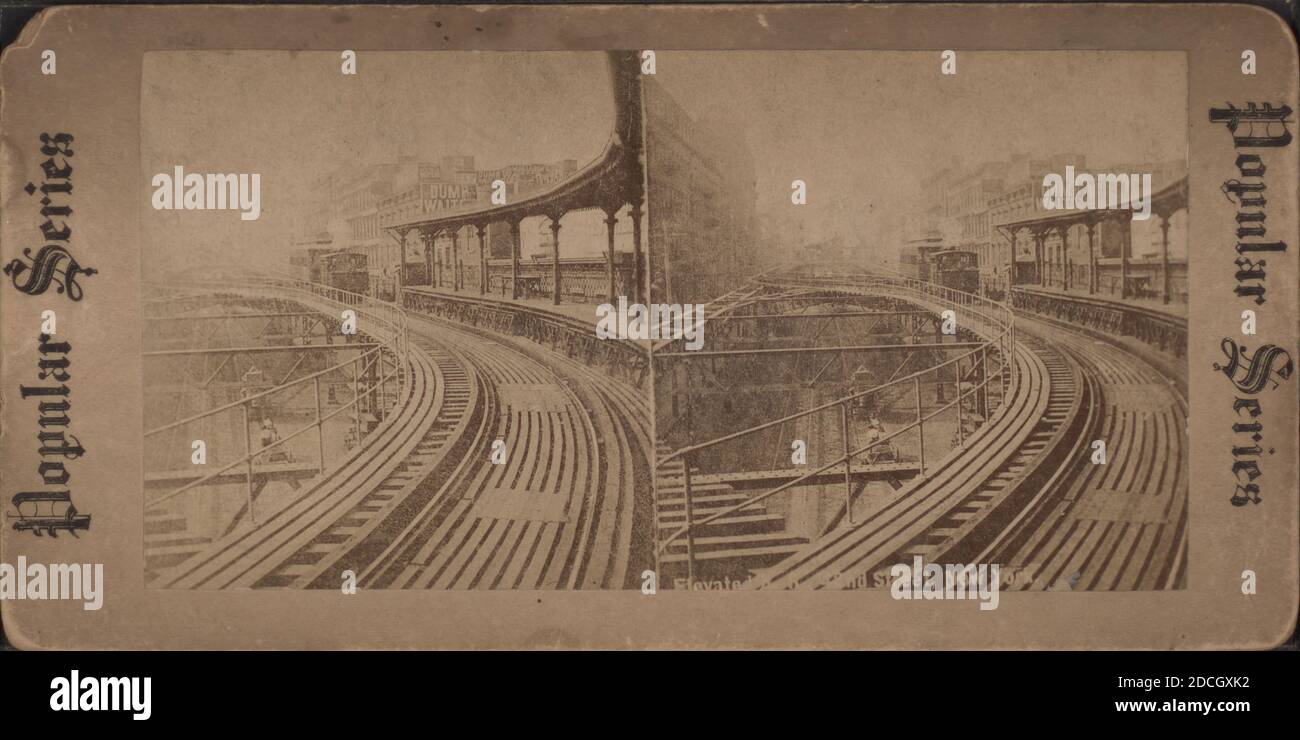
(650, 327)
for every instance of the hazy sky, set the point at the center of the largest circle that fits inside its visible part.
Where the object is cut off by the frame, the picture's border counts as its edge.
(864, 128)
(292, 117)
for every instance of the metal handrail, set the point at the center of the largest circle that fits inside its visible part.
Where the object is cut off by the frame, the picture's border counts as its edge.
(997, 315)
(388, 323)
(838, 461)
(1007, 329)
(562, 321)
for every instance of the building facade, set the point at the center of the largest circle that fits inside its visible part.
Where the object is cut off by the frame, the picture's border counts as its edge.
(349, 209)
(701, 190)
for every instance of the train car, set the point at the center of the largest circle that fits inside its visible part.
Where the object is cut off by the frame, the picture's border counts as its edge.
(957, 269)
(913, 264)
(346, 271)
(914, 259)
(305, 264)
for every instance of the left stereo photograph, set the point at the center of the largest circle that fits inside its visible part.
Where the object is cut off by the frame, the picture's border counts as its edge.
(303, 425)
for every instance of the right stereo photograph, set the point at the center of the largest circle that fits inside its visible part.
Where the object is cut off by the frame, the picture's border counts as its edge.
(931, 318)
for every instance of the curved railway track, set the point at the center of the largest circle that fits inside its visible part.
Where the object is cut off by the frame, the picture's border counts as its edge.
(559, 511)
(423, 506)
(348, 540)
(1121, 525)
(1036, 463)
(849, 556)
(241, 558)
(1027, 495)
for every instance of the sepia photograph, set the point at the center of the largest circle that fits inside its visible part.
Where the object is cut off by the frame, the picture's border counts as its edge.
(346, 350)
(946, 323)
(392, 372)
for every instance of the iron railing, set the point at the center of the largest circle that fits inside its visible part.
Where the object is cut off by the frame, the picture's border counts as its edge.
(378, 366)
(991, 320)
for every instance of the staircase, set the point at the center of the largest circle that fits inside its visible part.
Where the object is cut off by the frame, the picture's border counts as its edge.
(732, 546)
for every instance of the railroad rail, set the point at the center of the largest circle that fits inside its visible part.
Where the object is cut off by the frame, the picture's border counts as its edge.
(423, 508)
(379, 362)
(992, 321)
(562, 509)
(1118, 526)
(1025, 493)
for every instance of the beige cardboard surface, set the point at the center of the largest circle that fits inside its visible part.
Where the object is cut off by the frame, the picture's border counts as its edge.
(224, 89)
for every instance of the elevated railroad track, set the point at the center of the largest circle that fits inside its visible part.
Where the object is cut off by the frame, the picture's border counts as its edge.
(422, 505)
(1023, 491)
